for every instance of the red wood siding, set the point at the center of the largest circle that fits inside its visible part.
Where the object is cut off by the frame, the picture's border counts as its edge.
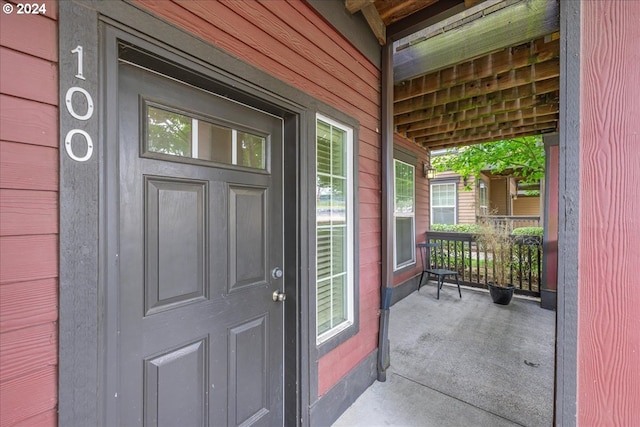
(28, 212)
(289, 41)
(28, 121)
(422, 206)
(608, 270)
(28, 218)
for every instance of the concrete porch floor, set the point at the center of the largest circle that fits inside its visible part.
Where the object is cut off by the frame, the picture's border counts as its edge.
(463, 362)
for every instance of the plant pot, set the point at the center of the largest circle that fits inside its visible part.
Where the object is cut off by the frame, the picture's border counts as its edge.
(500, 295)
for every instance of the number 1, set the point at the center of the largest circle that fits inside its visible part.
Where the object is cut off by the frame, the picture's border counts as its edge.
(78, 50)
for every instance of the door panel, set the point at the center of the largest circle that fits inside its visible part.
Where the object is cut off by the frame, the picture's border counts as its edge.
(175, 391)
(247, 215)
(176, 242)
(200, 229)
(248, 357)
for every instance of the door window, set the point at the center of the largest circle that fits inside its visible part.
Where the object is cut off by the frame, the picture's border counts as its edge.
(173, 133)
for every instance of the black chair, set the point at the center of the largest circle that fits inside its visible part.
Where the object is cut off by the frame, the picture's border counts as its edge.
(435, 265)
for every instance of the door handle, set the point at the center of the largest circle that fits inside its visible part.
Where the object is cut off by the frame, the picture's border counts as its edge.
(279, 296)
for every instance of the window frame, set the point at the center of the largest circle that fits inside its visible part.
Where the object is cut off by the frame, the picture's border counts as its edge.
(412, 244)
(455, 196)
(329, 339)
(483, 209)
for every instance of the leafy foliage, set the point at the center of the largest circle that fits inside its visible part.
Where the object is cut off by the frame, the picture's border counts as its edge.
(456, 228)
(497, 245)
(168, 132)
(528, 231)
(524, 155)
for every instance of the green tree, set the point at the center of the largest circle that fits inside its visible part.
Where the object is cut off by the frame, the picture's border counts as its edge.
(524, 157)
(168, 132)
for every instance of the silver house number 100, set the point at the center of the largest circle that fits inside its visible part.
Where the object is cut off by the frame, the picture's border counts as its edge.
(68, 99)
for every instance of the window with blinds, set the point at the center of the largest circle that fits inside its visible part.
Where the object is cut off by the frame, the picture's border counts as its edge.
(443, 203)
(334, 228)
(404, 214)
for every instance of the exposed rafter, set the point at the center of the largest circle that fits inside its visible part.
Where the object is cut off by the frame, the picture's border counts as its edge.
(512, 88)
(368, 9)
(496, 63)
(486, 70)
(479, 138)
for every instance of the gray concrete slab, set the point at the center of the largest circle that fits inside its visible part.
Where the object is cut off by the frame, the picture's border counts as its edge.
(463, 362)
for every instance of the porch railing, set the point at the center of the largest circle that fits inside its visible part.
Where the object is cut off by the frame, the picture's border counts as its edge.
(509, 222)
(475, 268)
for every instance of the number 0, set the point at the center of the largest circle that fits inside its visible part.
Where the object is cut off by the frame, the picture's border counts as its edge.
(68, 100)
(67, 145)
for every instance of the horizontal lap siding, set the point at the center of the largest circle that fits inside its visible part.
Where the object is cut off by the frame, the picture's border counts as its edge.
(527, 206)
(467, 202)
(290, 42)
(28, 218)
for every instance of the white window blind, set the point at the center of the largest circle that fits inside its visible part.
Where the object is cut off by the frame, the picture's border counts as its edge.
(443, 203)
(404, 214)
(334, 228)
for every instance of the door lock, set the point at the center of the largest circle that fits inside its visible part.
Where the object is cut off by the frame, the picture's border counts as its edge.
(279, 296)
(276, 273)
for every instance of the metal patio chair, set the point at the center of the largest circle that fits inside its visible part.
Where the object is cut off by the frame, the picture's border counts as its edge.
(435, 265)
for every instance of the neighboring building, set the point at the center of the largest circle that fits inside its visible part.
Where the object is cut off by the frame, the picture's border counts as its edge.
(458, 201)
(171, 171)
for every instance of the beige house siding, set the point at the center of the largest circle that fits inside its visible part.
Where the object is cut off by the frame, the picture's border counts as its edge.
(467, 202)
(527, 206)
(499, 196)
(499, 190)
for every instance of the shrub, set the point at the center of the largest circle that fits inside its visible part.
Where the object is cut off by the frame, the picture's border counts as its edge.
(456, 228)
(497, 245)
(528, 231)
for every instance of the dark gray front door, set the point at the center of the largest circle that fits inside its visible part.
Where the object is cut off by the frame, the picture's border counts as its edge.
(201, 240)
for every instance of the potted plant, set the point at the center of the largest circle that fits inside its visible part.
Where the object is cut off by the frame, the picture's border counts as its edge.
(496, 244)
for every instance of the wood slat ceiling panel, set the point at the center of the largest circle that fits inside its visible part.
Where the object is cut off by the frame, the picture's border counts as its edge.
(509, 92)
(506, 93)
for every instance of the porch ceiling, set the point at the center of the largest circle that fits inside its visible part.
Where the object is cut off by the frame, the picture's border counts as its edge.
(470, 72)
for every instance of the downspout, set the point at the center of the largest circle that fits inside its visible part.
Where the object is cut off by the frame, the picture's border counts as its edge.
(386, 167)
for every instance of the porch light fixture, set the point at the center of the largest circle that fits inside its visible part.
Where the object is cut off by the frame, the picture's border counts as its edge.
(429, 171)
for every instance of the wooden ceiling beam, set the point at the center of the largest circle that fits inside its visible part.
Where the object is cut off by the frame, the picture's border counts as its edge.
(472, 133)
(480, 68)
(507, 117)
(497, 112)
(375, 22)
(540, 89)
(354, 6)
(484, 124)
(368, 9)
(508, 80)
(478, 140)
(397, 8)
(473, 33)
(489, 133)
(508, 110)
(471, 3)
(405, 121)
